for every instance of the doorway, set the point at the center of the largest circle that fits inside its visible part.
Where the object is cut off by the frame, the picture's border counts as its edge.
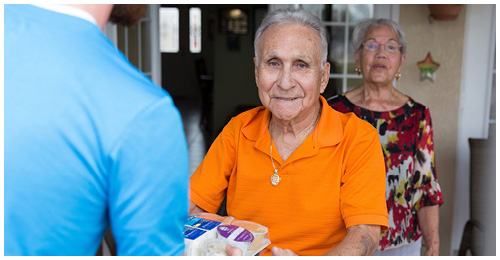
(186, 70)
(180, 76)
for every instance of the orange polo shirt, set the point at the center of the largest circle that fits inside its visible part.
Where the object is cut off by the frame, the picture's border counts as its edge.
(334, 180)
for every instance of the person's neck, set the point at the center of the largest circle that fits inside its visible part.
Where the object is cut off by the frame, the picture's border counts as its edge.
(293, 128)
(378, 97)
(288, 136)
(100, 12)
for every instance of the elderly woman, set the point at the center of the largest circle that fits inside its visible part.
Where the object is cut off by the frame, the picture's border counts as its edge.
(318, 191)
(413, 192)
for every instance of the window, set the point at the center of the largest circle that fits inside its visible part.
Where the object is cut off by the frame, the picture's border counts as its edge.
(340, 20)
(169, 29)
(195, 30)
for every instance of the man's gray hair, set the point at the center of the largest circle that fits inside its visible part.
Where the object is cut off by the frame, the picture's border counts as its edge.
(293, 16)
(358, 36)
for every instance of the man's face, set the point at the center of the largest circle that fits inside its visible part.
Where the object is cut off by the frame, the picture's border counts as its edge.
(288, 73)
(127, 15)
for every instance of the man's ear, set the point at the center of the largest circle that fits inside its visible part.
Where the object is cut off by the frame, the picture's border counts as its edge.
(325, 77)
(256, 72)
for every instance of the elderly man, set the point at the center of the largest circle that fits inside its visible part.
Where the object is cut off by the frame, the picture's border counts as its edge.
(313, 176)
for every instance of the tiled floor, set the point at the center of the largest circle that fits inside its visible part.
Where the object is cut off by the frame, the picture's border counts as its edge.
(196, 138)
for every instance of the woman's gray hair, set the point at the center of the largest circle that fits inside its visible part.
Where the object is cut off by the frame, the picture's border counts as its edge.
(293, 16)
(358, 36)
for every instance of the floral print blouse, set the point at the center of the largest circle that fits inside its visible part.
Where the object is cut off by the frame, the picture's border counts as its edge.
(406, 136)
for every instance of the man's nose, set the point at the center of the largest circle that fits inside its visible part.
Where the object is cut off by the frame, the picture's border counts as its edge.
(285, 80)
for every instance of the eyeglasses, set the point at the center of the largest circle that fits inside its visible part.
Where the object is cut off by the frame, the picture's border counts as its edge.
(372, 45)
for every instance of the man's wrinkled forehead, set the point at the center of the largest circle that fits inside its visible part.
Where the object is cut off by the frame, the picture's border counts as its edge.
(272, 34)
(297, 55)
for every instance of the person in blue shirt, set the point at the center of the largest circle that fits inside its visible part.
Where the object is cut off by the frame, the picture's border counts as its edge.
(89, 140)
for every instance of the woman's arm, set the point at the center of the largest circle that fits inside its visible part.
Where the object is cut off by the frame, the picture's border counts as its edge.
(428, 208)
(428, 220)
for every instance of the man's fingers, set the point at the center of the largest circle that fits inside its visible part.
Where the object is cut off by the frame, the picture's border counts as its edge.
(276, 251)
(233, 251)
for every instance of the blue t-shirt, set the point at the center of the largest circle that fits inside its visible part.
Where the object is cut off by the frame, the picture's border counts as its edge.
(90, 141)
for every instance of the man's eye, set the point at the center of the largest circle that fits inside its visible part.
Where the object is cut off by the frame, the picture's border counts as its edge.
(273, 63)
(302, 65)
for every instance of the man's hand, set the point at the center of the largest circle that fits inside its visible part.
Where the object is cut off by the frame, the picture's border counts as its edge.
(233, 251)
(276, 251)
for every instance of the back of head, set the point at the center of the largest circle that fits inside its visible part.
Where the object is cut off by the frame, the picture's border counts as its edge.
(127, 14)
(364, 26)
(293, 16)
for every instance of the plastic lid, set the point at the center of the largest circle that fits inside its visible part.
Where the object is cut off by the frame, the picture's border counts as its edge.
(235, 233)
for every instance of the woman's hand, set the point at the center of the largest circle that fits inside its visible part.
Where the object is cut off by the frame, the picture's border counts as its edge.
(276, 251)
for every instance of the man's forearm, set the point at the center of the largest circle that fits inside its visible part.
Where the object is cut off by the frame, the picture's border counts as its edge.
(194, 209)
(360, 240)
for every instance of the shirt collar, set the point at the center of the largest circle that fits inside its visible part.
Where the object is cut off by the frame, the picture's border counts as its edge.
(328, 132)
(330, 129)
(69, 10)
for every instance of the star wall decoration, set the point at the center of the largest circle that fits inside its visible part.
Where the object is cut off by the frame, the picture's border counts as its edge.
(428, 68)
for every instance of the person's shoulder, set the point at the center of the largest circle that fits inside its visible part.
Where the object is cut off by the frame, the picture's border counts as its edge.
(354, 126)
(340, 103)
(353, 120)
(122, 78)
(344, 114)
(416, 105)
(248, 123)
(246, 117)
(418, 109)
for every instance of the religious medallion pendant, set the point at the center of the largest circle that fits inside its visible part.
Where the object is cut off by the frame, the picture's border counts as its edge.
(275, 179)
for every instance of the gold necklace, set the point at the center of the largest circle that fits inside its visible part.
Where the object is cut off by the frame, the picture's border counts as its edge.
(275, 178)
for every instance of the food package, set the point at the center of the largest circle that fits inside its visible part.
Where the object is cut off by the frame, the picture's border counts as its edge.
(235, 236)
(196, 231)
(213, 247)
(259, 232)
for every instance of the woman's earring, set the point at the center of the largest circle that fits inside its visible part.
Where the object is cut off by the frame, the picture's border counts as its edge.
(358, 71)
(398, 76)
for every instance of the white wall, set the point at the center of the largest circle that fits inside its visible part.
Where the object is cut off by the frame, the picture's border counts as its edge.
(444, 40)
(474, 104)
